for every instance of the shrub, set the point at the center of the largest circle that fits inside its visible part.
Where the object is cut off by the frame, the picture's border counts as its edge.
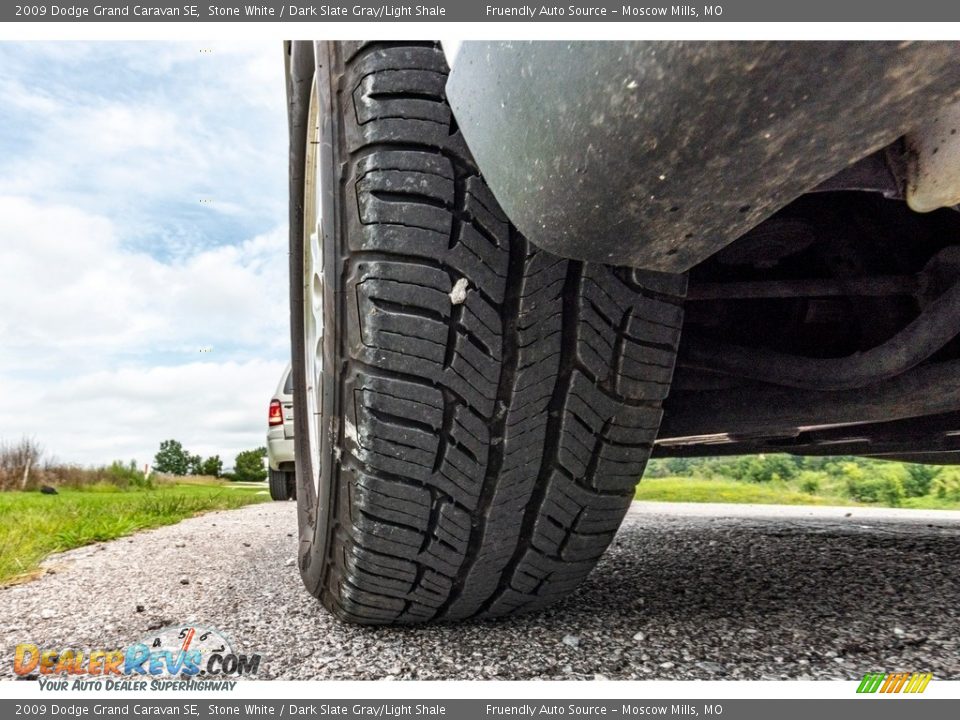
(760, 468)
(72, 476)
(919, 479)
(249, 465)
(172, 458)
(126, 475)
(20, 464)
(212, 466)
(946, 485)
(810, 481)
(877, 487)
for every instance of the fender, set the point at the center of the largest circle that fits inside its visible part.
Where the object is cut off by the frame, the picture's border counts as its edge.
(658, 154)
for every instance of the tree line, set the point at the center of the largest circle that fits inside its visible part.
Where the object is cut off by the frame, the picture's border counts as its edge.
(862, 479)
(174, 459)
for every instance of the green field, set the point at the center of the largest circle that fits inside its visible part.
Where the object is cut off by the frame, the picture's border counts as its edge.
(33, 525)
(675, 489)
(722, 490)
(781, 479)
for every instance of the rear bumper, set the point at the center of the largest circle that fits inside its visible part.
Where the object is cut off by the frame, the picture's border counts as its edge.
(279, 452)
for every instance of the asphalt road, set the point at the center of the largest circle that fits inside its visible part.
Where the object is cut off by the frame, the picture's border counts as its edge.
(695, 591)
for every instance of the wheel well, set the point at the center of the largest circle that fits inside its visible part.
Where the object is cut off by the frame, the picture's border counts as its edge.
(776, 319)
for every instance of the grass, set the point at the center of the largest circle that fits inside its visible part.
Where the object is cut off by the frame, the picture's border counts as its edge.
(33, 525)
(674, 489)
(930, 502)
(723, 490)
(194, 480)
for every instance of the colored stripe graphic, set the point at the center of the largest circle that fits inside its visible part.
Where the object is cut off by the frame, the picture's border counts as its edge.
(894, 682)
(870, 683)
(919, 682)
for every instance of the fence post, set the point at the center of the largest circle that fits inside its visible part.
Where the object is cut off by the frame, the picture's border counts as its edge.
(26, 474)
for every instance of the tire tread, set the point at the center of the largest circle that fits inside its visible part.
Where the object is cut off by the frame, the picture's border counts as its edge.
(489, 448)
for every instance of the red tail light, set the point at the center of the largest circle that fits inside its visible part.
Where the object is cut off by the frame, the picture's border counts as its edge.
(276, 413)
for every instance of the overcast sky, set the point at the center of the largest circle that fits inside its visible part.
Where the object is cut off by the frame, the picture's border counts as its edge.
(142, 220)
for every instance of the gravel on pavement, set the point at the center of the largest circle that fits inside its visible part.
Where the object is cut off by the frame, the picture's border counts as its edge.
(686, 591)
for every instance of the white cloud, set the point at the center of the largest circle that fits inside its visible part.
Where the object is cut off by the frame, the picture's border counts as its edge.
(167, 123)
(15, 94)
(77, 291)
(113, 275)
(84, 319)
(94, 418)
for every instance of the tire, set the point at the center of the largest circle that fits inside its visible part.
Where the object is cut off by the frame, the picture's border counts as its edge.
(279, 485)
(498, 403)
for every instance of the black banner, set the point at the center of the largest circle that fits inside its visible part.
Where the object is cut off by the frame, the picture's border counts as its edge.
(473, 11)
(875, 708)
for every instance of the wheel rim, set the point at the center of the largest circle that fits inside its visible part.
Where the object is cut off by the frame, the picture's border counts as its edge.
(313, 288)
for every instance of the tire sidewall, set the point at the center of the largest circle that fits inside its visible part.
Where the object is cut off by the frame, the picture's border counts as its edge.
(279, 489)
(315, 487)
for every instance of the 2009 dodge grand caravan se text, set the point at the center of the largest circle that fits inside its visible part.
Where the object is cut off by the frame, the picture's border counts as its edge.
(513, 282)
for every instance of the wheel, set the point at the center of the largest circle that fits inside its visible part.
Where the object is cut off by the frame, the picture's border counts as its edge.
(279, 485)
(472, 414)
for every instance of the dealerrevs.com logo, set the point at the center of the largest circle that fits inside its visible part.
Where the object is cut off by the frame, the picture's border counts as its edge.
(187, 657)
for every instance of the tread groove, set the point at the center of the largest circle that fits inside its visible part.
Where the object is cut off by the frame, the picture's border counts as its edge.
(508, 370)
(571, 293)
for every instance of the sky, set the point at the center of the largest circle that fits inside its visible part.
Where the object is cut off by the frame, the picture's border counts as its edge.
(143, 246)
